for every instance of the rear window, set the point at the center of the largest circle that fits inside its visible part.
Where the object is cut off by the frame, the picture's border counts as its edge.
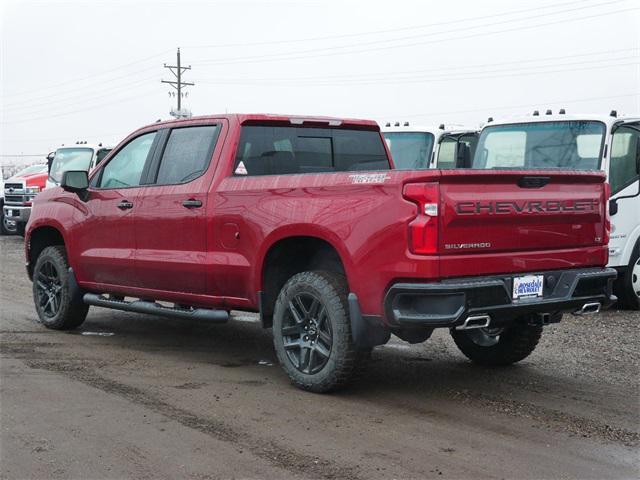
(267, 150)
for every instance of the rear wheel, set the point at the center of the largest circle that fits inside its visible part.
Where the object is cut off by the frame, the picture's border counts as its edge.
(21, 228)
(498, 346)
(312, 332)
(51, 291)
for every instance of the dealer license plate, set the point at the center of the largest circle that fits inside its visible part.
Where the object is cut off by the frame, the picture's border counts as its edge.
(528, 286)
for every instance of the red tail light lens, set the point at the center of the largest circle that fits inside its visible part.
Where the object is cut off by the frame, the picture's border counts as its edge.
(423, 230)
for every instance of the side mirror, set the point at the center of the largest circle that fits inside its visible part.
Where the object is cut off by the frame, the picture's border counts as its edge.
(613, 207)
(76, 181)
(50, 158)
(463, 156)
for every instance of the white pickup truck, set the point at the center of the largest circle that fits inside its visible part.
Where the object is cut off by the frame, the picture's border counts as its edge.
(422, 147)
(580, 142)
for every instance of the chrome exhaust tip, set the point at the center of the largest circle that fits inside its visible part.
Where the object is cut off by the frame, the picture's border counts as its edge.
(588, 309)
(475, 321)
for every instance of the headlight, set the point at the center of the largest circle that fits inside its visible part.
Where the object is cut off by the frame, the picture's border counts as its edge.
(32, 190)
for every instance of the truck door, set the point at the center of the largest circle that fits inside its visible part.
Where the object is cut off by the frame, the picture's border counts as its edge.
(623, 178)
(103, 231)
(171, 223)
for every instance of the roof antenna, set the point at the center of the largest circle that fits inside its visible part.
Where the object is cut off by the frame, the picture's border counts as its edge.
(614, 114)
(536, 113)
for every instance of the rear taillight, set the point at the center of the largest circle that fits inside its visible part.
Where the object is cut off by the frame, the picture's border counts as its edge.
(423, 230)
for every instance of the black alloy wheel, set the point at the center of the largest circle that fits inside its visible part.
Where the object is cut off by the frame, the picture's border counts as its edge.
(306, 333)
(49, 289)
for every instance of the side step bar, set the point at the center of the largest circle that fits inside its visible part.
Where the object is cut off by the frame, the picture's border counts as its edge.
(153, 308)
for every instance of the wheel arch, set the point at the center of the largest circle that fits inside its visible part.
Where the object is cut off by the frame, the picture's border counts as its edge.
(39, 238)
(289, 252)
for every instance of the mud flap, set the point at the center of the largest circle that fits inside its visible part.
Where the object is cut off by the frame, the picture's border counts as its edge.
(74, 289)
(367, 331)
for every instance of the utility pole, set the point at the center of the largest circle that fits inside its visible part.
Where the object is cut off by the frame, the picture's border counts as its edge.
(177, 71)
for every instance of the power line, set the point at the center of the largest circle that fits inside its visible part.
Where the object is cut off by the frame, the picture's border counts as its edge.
(509, 107)
(37, 100)
(403, 80)
(143, 82)
(97, 74)
(64, 114)
(407, 75)
(393, 30)
(304, 54)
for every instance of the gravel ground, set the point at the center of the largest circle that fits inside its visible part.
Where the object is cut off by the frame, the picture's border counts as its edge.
(133, 396)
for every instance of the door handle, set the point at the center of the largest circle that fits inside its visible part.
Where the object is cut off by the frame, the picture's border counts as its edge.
(125, 205)
(192, 203)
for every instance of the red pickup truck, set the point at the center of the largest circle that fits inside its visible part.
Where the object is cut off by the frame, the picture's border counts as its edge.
(304, 221)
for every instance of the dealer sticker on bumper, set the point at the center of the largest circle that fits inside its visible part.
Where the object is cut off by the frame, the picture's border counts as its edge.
(529, 286)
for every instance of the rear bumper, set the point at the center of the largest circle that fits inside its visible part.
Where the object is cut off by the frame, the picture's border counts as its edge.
(17, 213)
(449, 303)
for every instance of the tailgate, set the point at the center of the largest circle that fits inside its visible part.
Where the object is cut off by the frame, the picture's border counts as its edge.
(491, 211)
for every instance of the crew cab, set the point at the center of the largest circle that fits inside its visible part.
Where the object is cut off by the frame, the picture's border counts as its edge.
(418, 147)
(580, 142)
(305, 221)
(19, 192)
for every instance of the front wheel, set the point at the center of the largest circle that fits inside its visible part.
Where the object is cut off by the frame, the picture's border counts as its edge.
(312, 332)
(498, 346)
(51, 291)
(8, 227)
(631, 282)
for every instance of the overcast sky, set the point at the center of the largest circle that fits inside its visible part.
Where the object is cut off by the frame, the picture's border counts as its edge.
(91, 70)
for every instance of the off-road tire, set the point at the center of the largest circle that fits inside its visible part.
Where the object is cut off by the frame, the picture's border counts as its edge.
(345, 363)
(515, 343)
(628, 296)
(69, 315)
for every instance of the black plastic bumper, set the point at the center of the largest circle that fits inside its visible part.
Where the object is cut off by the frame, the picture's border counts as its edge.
(450, 302)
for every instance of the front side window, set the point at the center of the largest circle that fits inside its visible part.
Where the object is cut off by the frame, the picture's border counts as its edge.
(570, 145)
(410, 150)
(187, 154)
(126, 166)
(625, 154)
(275, 150)
(70, 159)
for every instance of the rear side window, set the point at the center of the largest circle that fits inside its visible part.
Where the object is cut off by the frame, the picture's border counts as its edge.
(266, 150)
(187, 154)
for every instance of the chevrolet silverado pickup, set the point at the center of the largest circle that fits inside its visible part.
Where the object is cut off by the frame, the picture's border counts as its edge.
(305, 221)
